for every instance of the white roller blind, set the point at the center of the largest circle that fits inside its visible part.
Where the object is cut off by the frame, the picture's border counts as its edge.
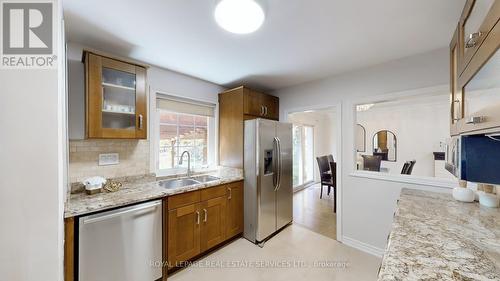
(184, 105)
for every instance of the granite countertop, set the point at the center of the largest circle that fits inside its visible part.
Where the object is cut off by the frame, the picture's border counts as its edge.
(435, 237)
(135, 192)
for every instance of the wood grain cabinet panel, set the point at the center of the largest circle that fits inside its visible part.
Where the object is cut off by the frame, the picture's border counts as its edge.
(116, 98)
(183, 234)
(183, 199)
(213, 226)
(473, 55)
(234, 224)
(236, 106)
(271, 105)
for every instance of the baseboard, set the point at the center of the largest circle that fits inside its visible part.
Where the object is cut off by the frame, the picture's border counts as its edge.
(363, 246)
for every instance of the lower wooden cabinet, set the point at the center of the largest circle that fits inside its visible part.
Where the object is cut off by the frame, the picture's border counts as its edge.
(213, 226)
(201, 220)
(183, 233)
(234, 224)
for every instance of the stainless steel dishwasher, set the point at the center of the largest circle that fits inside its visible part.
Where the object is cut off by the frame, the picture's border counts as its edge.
(121, 245)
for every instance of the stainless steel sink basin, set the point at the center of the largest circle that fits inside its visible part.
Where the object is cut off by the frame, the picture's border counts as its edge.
(205, 178)
(175, 183)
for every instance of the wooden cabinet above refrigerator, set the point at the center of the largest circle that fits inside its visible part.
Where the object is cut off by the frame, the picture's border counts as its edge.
(235, 106)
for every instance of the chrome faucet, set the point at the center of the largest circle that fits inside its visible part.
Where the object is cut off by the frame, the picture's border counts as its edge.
(189, 162)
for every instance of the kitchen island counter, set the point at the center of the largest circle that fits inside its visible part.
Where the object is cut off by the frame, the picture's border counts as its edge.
(434, 237)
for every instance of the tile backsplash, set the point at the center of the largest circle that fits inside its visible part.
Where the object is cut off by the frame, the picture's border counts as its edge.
(84, 158)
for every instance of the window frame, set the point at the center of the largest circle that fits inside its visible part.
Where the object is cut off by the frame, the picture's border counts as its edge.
(155, 140)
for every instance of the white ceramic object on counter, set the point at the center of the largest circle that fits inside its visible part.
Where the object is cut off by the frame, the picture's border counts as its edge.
(489, 200)
(463, 194)
(94, 184)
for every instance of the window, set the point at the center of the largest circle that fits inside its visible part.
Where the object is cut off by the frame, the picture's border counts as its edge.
(303, 155)
(183, 127)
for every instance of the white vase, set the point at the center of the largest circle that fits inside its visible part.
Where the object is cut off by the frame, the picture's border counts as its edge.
(489, 200)
(463, 194)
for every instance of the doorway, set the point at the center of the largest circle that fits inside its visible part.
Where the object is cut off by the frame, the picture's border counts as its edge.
(315, 134)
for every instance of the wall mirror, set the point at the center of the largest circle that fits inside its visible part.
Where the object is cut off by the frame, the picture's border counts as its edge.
(385, 145)
(360, 138)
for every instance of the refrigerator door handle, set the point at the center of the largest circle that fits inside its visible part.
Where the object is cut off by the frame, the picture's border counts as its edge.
(279, 160)
(275, 163)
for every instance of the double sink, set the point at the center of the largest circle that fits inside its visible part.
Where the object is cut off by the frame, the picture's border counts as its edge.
(176, 183)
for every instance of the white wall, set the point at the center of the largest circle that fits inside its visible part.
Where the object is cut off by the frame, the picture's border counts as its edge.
(419, 128)
(32, 170)
(367, 204)
(325, 139)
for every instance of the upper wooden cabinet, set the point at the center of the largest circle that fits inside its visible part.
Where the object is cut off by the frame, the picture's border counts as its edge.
(235, 106)
(260, 105)
(116, 101)
(476, 21)
(475, 68)
(456, 109)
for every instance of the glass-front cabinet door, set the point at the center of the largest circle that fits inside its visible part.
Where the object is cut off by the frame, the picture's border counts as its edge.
(475, 25)
(116, 98)
(482, 98)
(455, 91)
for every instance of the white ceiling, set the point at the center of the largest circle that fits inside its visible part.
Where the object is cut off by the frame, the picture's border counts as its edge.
(301, 40)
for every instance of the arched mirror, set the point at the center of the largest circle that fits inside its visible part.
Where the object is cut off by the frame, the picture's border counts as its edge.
(360, 138)
(385, 145)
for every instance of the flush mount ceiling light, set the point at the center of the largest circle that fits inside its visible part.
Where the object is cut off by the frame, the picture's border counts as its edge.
(239, 16)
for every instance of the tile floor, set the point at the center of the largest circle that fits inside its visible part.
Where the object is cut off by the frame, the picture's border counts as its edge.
(313, 213)
(297, 253)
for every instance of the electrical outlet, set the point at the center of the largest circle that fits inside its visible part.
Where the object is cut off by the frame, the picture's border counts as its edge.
(109, 159)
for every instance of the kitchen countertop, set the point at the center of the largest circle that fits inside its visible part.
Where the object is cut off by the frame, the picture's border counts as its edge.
(81, 203)
(435, 237)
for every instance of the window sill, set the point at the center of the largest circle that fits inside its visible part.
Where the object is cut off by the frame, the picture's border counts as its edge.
(427, 181)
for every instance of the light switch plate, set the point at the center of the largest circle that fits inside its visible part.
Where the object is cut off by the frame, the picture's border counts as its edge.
(109, 159)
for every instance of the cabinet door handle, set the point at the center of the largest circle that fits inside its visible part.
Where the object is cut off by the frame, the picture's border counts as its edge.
(476, 119)
(262, 110)
(458, 112)
(197, 217)
(265, 112)
(230, 193)
(140, 121)
(206, 215)
(472, 39)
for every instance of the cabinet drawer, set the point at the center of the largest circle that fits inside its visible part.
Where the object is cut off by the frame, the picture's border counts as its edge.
(183, 199)
(213, 192)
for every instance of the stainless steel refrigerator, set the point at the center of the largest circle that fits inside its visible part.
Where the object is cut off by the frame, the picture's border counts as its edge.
(268, 178)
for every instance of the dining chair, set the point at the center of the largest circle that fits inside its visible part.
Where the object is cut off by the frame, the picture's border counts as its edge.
(406, 165)
(371, 162)
(410, 168)
(330, 158)
(326, 179)
(333, 169)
